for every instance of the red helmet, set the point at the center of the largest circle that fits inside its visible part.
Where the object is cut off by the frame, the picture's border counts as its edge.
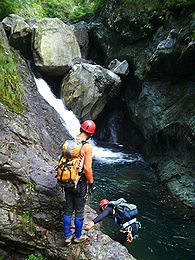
(88, 126)
(103, 203)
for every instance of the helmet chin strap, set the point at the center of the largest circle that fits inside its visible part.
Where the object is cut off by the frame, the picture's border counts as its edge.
(85, 135)
(88, 136)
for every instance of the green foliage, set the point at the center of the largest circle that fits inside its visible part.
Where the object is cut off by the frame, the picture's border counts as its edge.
(31, 186)
(11, 91)
(30, 9)
(35, 257)
(71, 9)
(26, 9)
(27, 221)
(30, 189)
(193, 35)
(8, 7)
(173, 6)
(63, 9)
(179, 3)
(86, 6)
(2, 254)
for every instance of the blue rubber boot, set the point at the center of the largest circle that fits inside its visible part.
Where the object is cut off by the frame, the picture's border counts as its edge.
(79, 237)
(67, 230)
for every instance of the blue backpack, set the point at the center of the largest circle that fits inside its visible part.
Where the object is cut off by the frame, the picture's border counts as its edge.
(127, 211)
(128, 217)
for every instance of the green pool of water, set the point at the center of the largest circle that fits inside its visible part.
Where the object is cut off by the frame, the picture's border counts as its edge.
(167, 227)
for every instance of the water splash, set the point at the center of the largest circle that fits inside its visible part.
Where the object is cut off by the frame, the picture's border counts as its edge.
(107, 156)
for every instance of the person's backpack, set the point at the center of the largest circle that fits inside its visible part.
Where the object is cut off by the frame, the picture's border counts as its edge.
(126, 210)
(128, 217)
(69, 166)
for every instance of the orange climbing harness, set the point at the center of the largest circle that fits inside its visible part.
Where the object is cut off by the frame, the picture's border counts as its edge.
(129, 237)
(127, 228)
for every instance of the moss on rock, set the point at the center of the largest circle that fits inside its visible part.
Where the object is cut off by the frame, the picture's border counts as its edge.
(11, 90)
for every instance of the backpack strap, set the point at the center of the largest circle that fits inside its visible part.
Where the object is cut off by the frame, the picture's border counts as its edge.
(128, 223)
(114, 213)
(59, 165)
(115, 219)
(81, 156)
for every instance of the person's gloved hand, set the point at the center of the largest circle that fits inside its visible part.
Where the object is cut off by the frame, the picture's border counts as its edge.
(92, 188)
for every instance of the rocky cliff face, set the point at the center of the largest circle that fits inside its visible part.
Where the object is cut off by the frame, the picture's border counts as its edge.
(31, 205)
(159, 93)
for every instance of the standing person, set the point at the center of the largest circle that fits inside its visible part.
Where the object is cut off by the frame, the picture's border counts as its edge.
(75, 197)
(124, 214)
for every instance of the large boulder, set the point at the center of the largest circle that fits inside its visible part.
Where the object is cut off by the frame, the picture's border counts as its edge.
(54, 45)
(9, 21)
(87, 89)
(19, 32)
(180, 179)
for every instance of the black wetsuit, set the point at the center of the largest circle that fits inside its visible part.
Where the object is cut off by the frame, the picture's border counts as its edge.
(108, 211)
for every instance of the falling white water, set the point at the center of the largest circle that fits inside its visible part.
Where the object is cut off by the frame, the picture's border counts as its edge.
(72, 125)
(69, 120)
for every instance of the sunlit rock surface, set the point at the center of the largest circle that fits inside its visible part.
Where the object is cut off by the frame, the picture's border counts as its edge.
(54, 45)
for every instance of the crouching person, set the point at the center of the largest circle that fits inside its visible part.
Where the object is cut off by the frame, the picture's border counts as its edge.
(125, 217)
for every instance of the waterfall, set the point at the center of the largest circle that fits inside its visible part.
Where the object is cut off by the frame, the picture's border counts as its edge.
(69, 120)
(112, 124)
(72, 125)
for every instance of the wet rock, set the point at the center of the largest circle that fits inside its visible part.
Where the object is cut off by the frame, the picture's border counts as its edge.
(120, 68)
(81, 33)
(87, 88)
